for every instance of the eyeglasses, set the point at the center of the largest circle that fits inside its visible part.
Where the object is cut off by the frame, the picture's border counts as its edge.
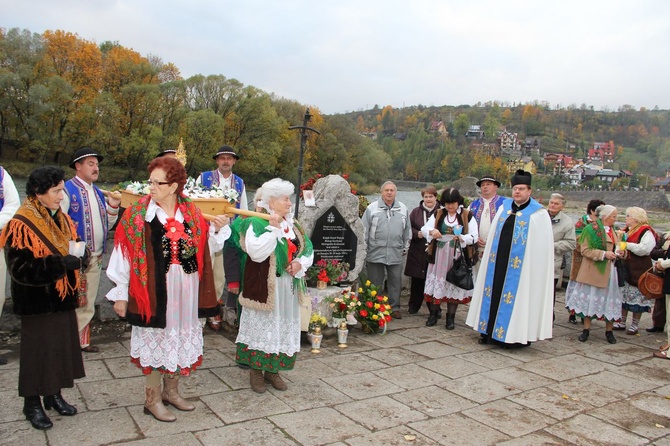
(157, 183)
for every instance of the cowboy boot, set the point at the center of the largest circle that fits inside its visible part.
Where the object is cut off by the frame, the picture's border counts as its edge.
(256, 380)
(171, 394)
(154, 406)
(276, 381)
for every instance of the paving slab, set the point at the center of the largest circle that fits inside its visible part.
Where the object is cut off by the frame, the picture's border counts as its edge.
(434, 401)
(510, 418)
(380, 413)
(457, 429)
(257, 433)
(319, 426)
(587, 430)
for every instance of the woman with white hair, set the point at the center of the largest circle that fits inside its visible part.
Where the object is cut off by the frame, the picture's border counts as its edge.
(275, 256)
(636, 253)
(596, 292)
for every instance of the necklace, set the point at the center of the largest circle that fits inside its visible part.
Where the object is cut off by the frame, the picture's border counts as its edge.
(450, 220)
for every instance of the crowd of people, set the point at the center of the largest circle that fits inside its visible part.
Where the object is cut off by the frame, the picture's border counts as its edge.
(176, 270)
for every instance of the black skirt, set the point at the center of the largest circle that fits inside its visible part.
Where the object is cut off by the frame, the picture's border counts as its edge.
(50, 357)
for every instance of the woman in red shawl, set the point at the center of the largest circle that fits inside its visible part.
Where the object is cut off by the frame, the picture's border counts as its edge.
(163, 274)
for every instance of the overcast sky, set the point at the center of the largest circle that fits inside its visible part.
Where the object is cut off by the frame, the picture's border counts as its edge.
(349, 55)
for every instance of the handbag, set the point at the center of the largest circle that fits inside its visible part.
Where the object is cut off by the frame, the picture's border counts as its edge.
(621, 272)
(460, 273)
(650, 284)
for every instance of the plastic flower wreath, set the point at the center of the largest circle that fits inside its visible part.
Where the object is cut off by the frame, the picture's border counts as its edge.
(374, 312)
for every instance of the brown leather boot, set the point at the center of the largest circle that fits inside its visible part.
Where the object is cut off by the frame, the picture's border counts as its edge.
(256, 380)
(171, 394)
(276, 381)
(154, 406)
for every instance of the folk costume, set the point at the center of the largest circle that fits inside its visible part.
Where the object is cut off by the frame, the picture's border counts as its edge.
(640, 242)
(437, 288)
(92, 216)
(161, 266)
(215, 178)
(595, 292)
(269, 332)
(416, 266)
(512, 301)
(44, 292)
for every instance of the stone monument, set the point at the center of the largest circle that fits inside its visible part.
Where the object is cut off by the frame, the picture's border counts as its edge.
(333, 224)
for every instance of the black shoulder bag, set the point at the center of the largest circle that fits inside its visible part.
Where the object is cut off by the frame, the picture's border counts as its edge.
(460, 273)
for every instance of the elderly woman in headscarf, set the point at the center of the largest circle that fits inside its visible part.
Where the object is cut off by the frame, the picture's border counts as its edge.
(276, 255)
(636, 253)
(596, 292)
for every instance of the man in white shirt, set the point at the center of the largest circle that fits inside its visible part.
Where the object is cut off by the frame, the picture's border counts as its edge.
(93, 215)
(223, 177)
(9, 203)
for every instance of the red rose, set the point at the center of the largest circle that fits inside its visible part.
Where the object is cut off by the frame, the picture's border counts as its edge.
(363, 313)
(380, 298)
(343, 306)
(369, 304)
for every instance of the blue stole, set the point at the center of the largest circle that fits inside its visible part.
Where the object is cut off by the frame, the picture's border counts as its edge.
(80, 211)
(2, 188)
(515, 262)
(211, 178)
(477, 209)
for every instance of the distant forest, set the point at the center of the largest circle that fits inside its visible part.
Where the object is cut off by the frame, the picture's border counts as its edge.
(59, 92)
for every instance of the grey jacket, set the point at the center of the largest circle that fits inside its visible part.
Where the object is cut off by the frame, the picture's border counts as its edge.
(387, 232)
(564, 239)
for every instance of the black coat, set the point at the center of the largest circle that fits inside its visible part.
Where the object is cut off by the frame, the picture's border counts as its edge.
(417, 260)
(33, 282)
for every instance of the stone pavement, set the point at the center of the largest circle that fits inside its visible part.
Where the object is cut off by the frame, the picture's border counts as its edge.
(416, 385)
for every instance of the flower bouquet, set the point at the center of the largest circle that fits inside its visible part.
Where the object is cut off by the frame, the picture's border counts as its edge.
(343, 307)
(374, 311)
(316, 320)
(329, 271)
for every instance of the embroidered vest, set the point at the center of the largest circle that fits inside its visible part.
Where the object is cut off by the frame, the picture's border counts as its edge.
(477, 208)
(80, 211)
(211, 178)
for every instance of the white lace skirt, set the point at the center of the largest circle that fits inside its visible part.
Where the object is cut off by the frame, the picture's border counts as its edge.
(276, 331)
(592, 301)
(179, 345)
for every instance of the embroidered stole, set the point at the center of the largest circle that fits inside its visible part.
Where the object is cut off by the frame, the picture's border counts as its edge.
(513, 273)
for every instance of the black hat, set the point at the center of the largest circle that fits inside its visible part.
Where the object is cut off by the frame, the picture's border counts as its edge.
(82, 153)
(521, 177)
(166, 151)
(490, 178)
(226, 150)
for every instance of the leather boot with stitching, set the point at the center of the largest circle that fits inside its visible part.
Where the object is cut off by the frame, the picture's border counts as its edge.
(171, 394)
(154, 405)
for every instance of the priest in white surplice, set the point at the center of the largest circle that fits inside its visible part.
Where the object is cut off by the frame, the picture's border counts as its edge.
(512, 302)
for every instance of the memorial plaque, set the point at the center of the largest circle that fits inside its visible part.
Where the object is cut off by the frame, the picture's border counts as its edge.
(333, 239)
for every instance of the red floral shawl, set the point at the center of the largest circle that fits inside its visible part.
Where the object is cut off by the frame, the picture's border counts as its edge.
(130, 238)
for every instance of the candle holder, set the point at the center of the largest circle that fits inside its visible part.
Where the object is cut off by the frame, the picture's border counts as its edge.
(316, 340)
(342, 335)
